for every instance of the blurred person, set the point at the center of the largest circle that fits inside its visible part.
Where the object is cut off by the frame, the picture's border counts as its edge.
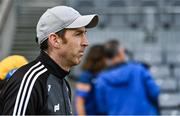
(84, 95)
(40, 88)
(125, 87)
(7, 68)
(9, 65)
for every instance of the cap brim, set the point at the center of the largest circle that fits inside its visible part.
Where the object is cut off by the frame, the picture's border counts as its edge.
(88, 21)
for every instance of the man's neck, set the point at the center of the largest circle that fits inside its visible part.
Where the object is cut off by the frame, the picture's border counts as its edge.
(60, 61)
(115, 62)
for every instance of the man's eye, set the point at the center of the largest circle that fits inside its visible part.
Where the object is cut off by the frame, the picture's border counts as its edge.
(78, 34)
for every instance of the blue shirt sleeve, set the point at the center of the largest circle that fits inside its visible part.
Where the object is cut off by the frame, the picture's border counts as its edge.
(81, 93)
(153, 90)
(100, 95)
(84, 78)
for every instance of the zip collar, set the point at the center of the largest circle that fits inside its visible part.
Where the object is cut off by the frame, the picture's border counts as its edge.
(51, 65)
(116, 65)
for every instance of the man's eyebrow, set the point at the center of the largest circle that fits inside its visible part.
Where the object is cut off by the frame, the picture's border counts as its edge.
(81, 31)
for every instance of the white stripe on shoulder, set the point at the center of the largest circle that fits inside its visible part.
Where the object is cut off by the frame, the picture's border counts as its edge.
(21, 87)
(30, 89)
(25, 89)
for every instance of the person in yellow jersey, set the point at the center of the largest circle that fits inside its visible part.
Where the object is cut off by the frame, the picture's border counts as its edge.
(9, 65)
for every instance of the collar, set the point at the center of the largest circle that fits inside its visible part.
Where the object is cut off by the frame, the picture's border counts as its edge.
(116, 65)
(51, 65)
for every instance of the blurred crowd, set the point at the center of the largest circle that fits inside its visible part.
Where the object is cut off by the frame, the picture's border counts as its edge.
(111, 84)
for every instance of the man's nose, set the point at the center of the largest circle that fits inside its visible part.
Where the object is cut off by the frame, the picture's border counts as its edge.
(85, 41)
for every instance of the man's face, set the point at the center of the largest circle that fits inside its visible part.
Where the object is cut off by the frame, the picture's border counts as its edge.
(73, 50)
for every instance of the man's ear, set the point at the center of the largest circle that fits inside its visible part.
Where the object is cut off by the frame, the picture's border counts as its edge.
(54, 40)
(122, 54)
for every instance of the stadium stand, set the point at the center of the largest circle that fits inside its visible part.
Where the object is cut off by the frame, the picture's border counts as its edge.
(170, 104)
(161, 71)
(172, 85)
(148, 28)
(177, 72)
(28, 13)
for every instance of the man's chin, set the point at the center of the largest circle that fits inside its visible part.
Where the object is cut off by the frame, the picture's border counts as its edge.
(78, 61)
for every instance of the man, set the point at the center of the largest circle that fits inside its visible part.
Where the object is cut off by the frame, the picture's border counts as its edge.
(40, 87)
(125, 88)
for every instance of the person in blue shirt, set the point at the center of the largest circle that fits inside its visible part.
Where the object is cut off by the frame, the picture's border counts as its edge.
(125, 87)
(84, 95)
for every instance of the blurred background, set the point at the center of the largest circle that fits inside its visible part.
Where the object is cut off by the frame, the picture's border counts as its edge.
(148, 29)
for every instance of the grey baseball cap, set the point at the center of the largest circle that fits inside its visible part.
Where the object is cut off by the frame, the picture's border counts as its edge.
(61, 17)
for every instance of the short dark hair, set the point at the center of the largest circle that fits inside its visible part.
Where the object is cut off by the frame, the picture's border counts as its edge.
(44, 44)
(111, 48)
